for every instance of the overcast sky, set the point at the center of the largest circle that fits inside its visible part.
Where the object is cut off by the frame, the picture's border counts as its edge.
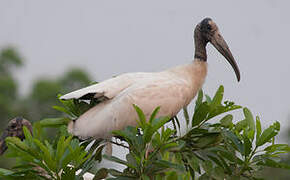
(108, 38)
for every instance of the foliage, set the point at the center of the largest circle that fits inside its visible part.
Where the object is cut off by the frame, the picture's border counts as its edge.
(37, 103)
(222, 149)
(9, 58)
(41, 159)
(73, 108)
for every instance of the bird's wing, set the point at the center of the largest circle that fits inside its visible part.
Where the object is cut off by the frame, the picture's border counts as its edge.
(106, 89)
(169, 93)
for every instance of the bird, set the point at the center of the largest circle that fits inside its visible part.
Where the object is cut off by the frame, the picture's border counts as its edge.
(170, 89)
(14, 129)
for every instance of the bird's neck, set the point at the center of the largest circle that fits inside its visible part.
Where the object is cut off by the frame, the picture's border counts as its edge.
(200, 48)
(193, 74)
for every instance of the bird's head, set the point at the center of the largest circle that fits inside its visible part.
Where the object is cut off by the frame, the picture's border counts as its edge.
(14, 129)
(207, 31)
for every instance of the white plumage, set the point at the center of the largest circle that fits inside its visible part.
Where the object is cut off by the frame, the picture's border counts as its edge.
(171, 89)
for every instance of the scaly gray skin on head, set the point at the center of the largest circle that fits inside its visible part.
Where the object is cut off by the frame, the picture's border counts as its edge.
(14, 129)
(208, 32)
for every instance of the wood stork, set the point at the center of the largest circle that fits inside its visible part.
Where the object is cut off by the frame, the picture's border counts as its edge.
(171, 89)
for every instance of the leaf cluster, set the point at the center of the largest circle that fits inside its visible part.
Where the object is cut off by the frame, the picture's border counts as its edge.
(41, 159)
(214, 146)
(222, 150)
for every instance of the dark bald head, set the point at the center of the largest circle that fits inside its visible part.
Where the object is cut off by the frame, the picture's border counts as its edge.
(205, 25)
(207, 31)
(206, 28)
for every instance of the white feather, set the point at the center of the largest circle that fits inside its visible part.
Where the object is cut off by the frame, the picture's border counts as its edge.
(172, 90)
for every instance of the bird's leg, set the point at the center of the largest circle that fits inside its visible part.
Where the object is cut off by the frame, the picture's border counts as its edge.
(109, 148)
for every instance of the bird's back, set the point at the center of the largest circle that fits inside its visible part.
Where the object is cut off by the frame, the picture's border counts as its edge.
(171, 90)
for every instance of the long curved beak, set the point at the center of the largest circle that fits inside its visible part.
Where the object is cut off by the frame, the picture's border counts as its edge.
(220, 44)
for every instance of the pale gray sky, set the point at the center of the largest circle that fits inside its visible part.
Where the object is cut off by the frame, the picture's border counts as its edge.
(112, 37)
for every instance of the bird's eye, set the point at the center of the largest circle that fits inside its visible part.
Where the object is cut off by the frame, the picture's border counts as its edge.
(13, 126)
(208, 27)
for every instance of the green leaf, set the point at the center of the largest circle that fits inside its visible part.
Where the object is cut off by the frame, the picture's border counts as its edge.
(250, 131)
(207, 167)
(241, 125)
(68, 173)
(144, 177)
(49, 147)
(142, 117)
(229, 156)
(153, 115)
(208, 99)
(284, 148)
(258, 128)
(271, 163)
(168, 164)
(16, 141)
(37, 131)
(215, 160)
(165, 134)
(218, 173)
(129, 134)
(194, 163)
(218, 97)
(208, 140)
(199, 99)
(27, 135)
(200, 114)
(54, 122)
(121, 175)
(5, 172)
(250, 134)
(117, 160)
(249, 118)
(61, 147)
(172, 175)
(46, 155)
(268, 134)
(237, 144)
(225, 165)
(227, 120)
(131, 160)
(98, 153)
(247, 146)
(159, 122)
(63, 109)
(156, 124)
